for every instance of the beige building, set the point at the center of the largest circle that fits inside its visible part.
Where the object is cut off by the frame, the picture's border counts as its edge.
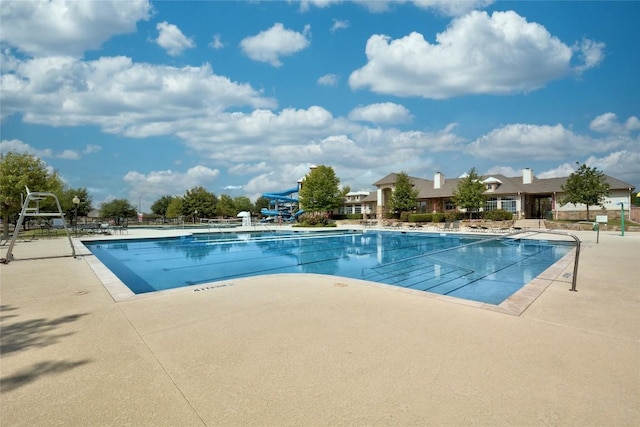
(525, 196)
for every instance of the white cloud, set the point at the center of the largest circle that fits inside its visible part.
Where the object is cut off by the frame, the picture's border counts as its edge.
(561, 171)
(479, 53)
(69, 155)
(590, 52)
(622, 165)
(272, 44)
(608, 123)
(156, 184)
(216, 43)
(452, 8)
(339, 24)
(328, 80)
(92, 148)
(67, 27)
(21, 147)
(523, 141)
(172, 40)
(444, 7)
(118, 95)
(382, 113)
(503, 170)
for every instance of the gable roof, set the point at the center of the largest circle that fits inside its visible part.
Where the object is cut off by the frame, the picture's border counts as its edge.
(508, 185)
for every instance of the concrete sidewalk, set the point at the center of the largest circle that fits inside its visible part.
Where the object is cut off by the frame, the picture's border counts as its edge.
(317, 350)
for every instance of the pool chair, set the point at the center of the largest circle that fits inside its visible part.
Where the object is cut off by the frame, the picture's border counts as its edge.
(455, 226)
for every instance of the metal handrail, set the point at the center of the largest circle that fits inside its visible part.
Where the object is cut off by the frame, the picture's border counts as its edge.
(577, 258)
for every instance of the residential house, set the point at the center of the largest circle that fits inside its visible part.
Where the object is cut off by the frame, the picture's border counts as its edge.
(525, 196)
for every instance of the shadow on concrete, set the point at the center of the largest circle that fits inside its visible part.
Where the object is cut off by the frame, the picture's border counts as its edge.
(28, 375)
(31, 333)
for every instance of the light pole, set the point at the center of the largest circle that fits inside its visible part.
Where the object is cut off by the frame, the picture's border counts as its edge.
(195, 216)
(76, 202)
(622, 216)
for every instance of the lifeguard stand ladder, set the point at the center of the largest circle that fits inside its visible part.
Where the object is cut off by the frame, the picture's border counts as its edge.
(28, 211)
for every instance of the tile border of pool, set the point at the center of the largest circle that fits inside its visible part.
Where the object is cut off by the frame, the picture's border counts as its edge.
(514, 305)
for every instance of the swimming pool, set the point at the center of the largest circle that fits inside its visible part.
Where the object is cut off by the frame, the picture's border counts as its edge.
(478, 268)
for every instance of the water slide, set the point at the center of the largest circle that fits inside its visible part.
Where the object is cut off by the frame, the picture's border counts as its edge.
(282, 197)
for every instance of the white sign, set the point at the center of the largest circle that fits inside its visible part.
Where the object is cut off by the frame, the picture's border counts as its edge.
(601, 219)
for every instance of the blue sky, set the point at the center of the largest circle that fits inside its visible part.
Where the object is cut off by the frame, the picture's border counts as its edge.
(139, 99)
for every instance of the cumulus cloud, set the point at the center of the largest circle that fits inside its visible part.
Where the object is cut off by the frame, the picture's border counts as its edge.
(339, 24)
(608, 123)
(562, 170)
(444, 7)
(171, 39)
(478, 53)
(502, 170)
(272, 44)
(18, 146)
(216, 43)
(67, 27)
(158, 183)
(382, 113)
(620, 164)
(328, 80)
(541, 142)
(135, 99)
(524, 141)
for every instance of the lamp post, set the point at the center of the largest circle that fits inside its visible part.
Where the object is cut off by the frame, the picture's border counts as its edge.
(622, 216)
(195, 216)
(76, 202)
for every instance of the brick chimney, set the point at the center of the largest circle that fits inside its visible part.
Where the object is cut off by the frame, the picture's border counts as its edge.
(438, 180)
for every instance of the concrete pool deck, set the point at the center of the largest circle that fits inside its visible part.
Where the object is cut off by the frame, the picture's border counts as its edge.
(311, 350)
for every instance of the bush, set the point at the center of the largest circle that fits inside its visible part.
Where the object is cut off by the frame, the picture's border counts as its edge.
(426, 217)
(350, 216)
(454, 215)
(439, 217)
(497, 215)
(315, 220)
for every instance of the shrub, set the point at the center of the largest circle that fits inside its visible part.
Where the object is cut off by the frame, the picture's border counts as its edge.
(426, 217)
(350, 216)
(497, 215)
(311, 220)
(438, 217)
(454, 215)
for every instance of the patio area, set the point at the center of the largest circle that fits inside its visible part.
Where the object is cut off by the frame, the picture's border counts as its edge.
(311, 350)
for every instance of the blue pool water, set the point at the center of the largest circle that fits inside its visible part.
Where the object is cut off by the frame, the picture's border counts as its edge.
(477, 268)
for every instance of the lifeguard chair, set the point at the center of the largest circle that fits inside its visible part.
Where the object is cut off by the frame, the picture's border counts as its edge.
(34, 211)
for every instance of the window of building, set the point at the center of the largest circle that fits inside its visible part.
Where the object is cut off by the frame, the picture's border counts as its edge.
(357, 209)
(491, 204)
(449, 205)
(509, 204)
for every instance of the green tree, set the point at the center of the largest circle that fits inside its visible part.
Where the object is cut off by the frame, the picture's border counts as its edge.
(587, 186)
(66, 202)
(470, 193)
(225, 206)
(320, 192)
(404, 197)
(118, 209)
(199, 203)
(243, 203)
(261, 202)
(174, 210)
(16, 172)
(160, 206)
